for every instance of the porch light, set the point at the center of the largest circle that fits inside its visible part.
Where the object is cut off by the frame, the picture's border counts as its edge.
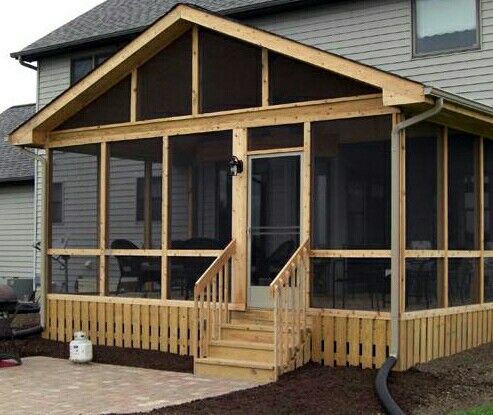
(235, 166)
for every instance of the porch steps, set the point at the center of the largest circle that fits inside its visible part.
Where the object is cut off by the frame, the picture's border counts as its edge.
(244, 350)
(259, 372)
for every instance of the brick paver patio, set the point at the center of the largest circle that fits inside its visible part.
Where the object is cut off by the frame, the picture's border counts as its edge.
(53, 386)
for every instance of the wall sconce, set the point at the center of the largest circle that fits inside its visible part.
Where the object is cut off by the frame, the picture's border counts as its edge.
(235, 166)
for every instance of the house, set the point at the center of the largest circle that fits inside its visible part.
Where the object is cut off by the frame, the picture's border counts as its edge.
(220, 183)
(17, 196)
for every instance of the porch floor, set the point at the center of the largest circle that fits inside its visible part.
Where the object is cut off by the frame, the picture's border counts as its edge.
(55, 386)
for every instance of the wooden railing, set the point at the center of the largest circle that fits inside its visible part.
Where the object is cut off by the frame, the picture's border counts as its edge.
(211, 301)
(289, 291)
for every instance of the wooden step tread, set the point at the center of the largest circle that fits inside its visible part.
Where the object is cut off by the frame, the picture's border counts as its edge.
(242, 344)
(236, 363)
(249, 327)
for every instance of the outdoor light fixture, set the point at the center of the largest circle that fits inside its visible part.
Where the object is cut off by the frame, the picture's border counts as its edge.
(235, 166)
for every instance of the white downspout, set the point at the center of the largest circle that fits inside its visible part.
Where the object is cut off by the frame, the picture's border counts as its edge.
(395, 221)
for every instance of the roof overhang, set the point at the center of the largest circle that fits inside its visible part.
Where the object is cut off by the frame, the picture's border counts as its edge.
(396, 91)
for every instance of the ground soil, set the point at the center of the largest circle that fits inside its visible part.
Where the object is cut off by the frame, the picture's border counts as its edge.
(462, 381)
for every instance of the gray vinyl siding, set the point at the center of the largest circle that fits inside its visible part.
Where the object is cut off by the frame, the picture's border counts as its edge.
(53, 79)
(379, 33)
(16, 230)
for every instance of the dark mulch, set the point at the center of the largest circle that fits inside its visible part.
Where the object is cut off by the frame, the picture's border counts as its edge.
(149, 359)
(462, 381)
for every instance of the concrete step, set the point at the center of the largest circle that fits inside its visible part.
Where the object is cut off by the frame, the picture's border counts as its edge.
(241, 350)
(235, 369)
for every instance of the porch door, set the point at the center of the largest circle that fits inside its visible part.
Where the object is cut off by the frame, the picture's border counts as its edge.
(274, 220)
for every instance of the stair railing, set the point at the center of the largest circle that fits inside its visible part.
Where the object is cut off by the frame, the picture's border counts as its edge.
(289, 292)
(212, 296)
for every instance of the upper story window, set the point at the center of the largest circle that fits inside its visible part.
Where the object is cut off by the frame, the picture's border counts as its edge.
(445, 26)
(80, 67)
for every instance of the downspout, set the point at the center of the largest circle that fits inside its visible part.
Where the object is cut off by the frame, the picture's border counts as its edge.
(383, 393)
(42, 160)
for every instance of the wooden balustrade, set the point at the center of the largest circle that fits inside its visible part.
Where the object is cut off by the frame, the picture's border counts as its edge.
(289, 291)
(211, 301)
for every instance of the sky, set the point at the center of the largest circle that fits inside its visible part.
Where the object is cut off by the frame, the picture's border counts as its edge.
(22, 22)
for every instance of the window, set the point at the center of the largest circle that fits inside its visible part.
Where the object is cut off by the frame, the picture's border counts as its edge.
(57, 203)
(156, 198)
(80, 67)
(445, 25)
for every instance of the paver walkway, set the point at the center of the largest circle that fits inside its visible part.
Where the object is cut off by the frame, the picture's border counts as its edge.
(44, 385)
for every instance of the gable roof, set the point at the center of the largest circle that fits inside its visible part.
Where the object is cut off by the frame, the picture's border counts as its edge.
(14, 166)
(395, 90)
(126, 18)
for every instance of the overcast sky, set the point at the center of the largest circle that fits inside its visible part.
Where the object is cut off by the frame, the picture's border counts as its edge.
(21, 23)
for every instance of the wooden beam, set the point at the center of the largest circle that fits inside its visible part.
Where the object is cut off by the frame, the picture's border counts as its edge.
(265, 78)
(402, 214)
(339, 108)
(239, 219)
(133, 96)
(46, 236)
(195, 71)
(348, 253)
(103, 215)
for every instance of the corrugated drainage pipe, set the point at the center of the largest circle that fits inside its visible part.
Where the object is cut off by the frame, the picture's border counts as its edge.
(383, 393)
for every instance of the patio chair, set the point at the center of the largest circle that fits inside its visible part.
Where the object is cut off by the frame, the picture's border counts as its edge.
(8, 312)
(131, 271)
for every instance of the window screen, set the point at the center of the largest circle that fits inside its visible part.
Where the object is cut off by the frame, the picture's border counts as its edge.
(183, 273)
(421, 283)
(445, 25)
(351, 184)
(294, 81)
(165, 82)
(282, 136)
(74, 275)
(230, 73)
(488, 193)
(422, 164)
(74, 197)
(463, 281)
(113, 107)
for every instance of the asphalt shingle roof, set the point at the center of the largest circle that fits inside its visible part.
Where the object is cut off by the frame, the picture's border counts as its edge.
(115, 17)
(14, 165)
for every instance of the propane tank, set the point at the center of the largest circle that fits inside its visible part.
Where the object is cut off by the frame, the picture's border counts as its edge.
(80, 348)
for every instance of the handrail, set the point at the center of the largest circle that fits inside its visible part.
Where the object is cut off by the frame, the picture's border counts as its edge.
(211, 300)
(289, 292)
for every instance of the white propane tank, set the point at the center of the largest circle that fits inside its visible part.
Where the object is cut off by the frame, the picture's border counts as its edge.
(80, 348)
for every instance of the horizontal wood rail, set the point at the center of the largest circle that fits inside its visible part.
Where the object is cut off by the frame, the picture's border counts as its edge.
(289, 291)
(211, 301)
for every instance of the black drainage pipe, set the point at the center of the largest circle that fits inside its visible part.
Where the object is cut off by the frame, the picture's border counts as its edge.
(383, 393)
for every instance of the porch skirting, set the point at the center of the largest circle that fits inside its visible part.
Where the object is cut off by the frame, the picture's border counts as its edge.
(337, 339)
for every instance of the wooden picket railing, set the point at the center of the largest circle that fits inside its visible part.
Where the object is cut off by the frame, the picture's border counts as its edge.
(289, 291)
(211, 301)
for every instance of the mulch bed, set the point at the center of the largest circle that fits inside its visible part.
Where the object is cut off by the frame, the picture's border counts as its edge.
(462, 381)
(148, 359)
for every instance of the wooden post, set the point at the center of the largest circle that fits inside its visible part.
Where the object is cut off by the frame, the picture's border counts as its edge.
(133, 96)
(265, 77)
(45, 265)
(402, 216)
(103, 215)
(148, 204)
(164, 219)
(445, 219)
(239, 219)
(480, 216)
(195, 71)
